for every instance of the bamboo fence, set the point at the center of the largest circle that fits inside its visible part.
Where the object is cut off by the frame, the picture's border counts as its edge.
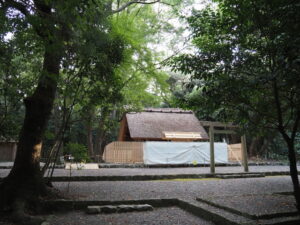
(124, 152)
(132, 152)
(8, 151)
(235, 152)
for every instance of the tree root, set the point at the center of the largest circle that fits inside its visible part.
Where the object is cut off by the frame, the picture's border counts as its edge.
(20, 217)
(24, 207)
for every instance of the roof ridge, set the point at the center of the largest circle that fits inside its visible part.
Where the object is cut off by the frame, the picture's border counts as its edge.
(152, 124)
(167, 110)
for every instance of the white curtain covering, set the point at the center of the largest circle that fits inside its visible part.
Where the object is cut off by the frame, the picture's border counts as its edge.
(183, 152)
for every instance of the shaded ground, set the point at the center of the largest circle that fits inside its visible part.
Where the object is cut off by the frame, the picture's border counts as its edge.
(190, 189)
(160, 171)
(160, 216)
(255, 205)
(253, 196)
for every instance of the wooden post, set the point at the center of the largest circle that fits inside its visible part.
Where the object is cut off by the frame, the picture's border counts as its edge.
(212, 150)
(244, 153)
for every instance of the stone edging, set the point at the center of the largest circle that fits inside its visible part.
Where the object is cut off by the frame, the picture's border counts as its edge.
(141, 165)
(247, 215)
(67, 205)
(216, 216)
(166, 177)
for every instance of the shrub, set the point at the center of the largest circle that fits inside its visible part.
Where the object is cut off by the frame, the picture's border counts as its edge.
(78, 151)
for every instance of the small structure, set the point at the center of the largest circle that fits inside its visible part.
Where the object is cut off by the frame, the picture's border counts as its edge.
(8, 151)
(173, 136)
(163, 136)
(162, 124)
(239, 151)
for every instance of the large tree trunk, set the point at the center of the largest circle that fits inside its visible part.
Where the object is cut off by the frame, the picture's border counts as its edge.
(293, 170)
(253, 146)
(290, 141)
(25, 181)
(89, 136)
(101, 134)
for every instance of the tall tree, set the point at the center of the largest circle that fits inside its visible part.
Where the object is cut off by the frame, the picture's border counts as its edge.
(62, 29)
(72, 37)
(136, 75)
(247, 64)
(18, 70)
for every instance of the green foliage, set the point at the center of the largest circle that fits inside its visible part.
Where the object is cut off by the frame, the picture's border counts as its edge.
(132, 85)
(143, 82)
(246, 62)
(78, 151)
(20, 64)
(106, 64)
(89, 52)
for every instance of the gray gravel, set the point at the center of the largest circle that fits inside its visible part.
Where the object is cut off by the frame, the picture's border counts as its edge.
(128, 190)
(262, 203)
(161, 216)
(188, 189)
(251, 195)
(163, 171)
(159, 171)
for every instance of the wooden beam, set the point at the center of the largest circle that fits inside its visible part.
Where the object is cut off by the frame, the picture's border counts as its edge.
(224, 131)
(182, 135)
(244, 153)
(212, 150)
(122, 129)
(216, 124)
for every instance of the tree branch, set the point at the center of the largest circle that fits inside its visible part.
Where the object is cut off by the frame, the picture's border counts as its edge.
(121, 8)
(16, 5)
(296, 124)
(278, 106)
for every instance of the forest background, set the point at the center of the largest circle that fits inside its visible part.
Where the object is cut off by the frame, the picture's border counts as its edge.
(70, 69)
(90, 101)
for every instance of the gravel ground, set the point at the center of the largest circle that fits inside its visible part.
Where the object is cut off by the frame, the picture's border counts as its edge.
(163, 171)
(234, 193)
(190, 189)
(160, 216)
(159, 171)
(251, 195)
(262, 203)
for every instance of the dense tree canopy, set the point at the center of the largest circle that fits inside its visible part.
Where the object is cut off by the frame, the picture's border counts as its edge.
(246, 66)
(70, 69)
(70, 54)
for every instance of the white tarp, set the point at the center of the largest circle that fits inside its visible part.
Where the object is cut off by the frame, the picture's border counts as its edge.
(183, 152)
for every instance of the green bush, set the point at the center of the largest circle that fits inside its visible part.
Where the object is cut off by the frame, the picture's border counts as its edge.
(78, 151)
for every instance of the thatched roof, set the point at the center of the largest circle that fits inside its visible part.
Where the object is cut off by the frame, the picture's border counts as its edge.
(151, 123)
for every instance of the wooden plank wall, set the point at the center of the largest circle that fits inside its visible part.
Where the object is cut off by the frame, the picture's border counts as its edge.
(124, 152)
(235, 152)
(132, 152)
(8, 151)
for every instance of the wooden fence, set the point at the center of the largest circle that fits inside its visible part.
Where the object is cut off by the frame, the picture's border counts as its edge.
(8, 151)
(124, 152)
(132, 152)
(235, 152)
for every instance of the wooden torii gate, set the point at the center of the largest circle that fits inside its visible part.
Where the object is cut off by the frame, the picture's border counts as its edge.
(213, 131)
